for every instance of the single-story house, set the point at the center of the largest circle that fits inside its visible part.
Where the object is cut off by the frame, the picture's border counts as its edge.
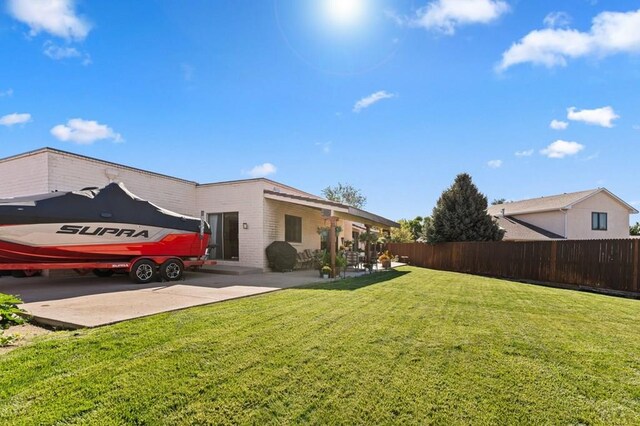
(245, 215)
(585, 215)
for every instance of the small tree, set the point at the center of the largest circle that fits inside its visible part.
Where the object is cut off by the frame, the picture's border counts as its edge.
(402, 234)
(498, 201)
(345, 194)
(635, 229)
(461, 215)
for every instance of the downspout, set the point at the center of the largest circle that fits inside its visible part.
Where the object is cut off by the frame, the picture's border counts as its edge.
(566, 221)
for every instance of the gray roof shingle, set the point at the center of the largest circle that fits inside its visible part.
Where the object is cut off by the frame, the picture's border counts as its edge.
(553, 202)
(518, 230)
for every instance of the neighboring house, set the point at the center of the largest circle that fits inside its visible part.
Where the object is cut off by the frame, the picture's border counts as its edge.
(245, 215)
(585, 215)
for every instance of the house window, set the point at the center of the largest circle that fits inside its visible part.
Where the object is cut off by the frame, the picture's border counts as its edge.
(598, 221)
(292, 229)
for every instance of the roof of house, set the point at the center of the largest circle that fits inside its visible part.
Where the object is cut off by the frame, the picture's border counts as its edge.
(349, 212)
(149, 172)
(550, 203)
(518, 230)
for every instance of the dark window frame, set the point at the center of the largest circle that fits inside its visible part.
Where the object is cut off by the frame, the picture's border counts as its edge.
(597, 222)
(292, 235)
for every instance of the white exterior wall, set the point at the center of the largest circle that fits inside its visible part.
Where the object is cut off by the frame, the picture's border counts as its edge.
(580, 218)
(24, 175)
(244, 197)
(274, 212)
(551, 221)
(71, 173)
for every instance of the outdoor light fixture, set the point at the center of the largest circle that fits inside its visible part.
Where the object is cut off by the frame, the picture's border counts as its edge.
(245, 225)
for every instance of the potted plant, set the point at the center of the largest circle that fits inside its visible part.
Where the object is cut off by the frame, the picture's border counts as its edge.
(323, 231)
(385, 260)
(326, 271)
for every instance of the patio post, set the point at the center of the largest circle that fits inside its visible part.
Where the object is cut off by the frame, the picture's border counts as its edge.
(332, 244)
(367, 244)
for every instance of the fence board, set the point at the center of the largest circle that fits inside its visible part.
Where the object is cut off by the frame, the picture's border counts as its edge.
(603, 264)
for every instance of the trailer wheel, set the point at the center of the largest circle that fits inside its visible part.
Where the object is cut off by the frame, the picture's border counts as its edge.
(172, 270)
(103, 273)
(143, 271)
(26, 273)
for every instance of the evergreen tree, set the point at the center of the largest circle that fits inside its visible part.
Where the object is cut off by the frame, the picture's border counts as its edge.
(461, 215)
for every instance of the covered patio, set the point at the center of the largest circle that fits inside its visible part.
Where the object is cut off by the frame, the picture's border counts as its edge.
(332, 215)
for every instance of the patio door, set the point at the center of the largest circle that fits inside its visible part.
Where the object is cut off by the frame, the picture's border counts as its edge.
(224, 236)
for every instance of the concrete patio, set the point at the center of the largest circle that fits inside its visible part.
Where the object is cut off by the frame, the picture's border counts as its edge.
(88, 301)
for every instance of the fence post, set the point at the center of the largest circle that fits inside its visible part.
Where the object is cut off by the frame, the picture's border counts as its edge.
(636, 261)
(553, 262)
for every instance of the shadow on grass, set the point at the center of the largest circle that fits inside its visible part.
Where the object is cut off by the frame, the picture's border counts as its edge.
(357, 282)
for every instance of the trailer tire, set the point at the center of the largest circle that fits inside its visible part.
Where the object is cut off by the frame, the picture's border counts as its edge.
(143, 271)
(172, 270)
(26, 273)
(103, 273)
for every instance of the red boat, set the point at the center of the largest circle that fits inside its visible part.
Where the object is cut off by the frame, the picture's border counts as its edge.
(109, 225)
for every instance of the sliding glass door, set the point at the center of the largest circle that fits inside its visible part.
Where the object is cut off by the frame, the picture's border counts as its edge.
(224, 236)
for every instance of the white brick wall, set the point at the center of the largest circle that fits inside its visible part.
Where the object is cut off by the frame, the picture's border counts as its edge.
(24, 175)
(71, 173)
(244, 197)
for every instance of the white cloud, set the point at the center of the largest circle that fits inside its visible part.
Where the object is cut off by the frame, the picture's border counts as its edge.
(84, 132)
(366, 102)
(591, 157)
(395, 17)
(525, 153)
(494, 164)
(557, 20)
(636, 127)
(187, 71)
(60, 52)
(610, 33)
(15, 118)
(8, 93)
(326, 146)
(558, 125)
(57, 53)
(597, 117)
(262, 170)
(561, 149)
(56, 17)
(446, 15)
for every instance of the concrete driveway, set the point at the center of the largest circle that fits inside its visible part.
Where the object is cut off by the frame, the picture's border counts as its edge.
(77, 302)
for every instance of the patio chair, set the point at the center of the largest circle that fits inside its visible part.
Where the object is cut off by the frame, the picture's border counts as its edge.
(308, 258)
(353, 259)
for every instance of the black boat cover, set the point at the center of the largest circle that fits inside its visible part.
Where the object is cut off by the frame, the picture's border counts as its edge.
(111, 204)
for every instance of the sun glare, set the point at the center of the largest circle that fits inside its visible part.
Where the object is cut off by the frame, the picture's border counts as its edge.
(344, 12)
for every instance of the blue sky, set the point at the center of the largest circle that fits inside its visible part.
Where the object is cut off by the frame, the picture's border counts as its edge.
(394, 97)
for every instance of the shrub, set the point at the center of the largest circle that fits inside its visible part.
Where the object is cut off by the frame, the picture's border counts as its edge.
(282, 256)
(9, 311)
(6, 340)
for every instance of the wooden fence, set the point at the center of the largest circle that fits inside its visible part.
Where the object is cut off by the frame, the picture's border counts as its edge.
(602, 264)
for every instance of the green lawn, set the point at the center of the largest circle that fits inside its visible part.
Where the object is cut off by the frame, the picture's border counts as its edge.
(412, 346)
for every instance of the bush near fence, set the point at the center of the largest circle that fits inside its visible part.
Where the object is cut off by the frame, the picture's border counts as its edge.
(600, 264)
